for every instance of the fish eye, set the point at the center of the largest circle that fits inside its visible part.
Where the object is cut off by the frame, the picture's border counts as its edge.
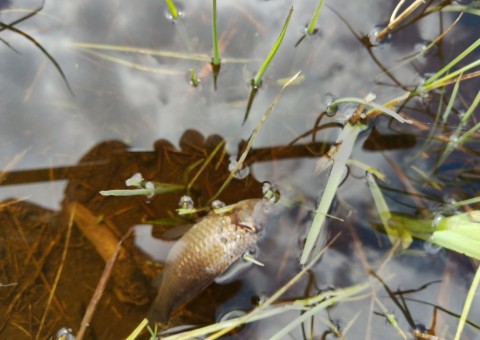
(248, 226)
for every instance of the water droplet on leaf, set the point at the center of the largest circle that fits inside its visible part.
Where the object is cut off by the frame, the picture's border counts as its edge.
(241, 173)
(186, 202)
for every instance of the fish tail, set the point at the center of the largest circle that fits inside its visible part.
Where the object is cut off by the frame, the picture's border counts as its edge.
(158, 313)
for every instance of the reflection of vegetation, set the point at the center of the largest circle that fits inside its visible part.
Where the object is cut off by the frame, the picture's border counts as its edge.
(11, 27)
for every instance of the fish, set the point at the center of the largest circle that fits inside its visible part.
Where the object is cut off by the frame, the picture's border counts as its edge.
(204, 253)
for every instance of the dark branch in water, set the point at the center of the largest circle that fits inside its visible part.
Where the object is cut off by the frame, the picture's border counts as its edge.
(10, 27)
(365, 42)
(28, 16)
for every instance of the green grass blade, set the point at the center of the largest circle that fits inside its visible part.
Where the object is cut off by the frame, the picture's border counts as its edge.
(252, 138)
(467, 202)
(313, 21)
(455, 139)
(216, 53)
(455, 61)
(172, 9)
(261, 72)
(157, 189)
(468, 304)
(465, 8)
(205, 164)
(459, 241)
(347, 138)
(394, 233)
(376, 106)
(335, 297)
(451, 101)
(193, 77)
(445, 80)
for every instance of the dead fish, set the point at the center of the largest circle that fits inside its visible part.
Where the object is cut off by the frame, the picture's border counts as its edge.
(204, 253)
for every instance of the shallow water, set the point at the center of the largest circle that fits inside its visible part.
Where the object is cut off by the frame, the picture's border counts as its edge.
(45, 127)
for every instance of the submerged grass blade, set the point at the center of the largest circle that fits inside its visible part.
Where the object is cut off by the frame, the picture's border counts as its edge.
(394, 234)
(313, 22)
(152, 52)
(204, 165)
(135, 66)
(347, 138)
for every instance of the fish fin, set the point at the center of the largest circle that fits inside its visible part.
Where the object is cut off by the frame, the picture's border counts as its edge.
(174, 233)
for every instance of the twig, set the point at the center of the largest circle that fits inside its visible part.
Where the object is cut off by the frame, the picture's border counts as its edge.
(58, 275)
(100, 288)
(391, 25)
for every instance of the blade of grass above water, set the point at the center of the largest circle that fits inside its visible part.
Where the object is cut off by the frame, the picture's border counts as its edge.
(347, 138)
(216, 53)
(252, 138)
(313, 21)
(449, 66)
(468, 304)
(261, 72)
(256, 82)
(172, 9)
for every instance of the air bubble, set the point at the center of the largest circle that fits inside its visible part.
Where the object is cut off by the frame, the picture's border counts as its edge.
(436, 220)
(431, 248)
(168, 15)
(241, 173)
(135, 181)
(217, 204)
(425, 49)
(421, 328)
(315, 34)
(232, 315)
(186, 202)
(270, 193)
(150, 186)
(373, 36)
(64, 334)
(327, 106)
(461, 114)
(192, 78)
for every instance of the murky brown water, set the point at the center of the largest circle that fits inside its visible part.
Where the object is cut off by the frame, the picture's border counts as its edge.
(60, 150)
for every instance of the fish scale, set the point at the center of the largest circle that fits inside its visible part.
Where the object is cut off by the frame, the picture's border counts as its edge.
(202, 254)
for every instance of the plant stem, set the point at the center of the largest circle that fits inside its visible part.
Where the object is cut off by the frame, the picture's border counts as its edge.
(261, 72)
(216, 53)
